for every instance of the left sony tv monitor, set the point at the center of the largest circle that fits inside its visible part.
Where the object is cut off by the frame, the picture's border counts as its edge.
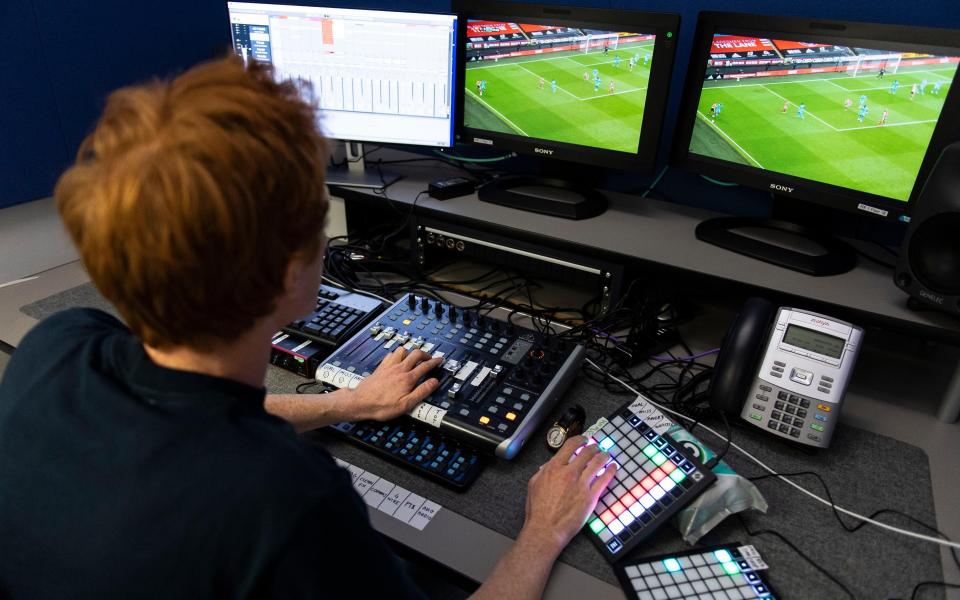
(376, 76)
(575, 87)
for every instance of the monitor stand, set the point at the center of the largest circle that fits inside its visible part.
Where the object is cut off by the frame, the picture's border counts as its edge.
(781, 243)
(545, 195)
(355, 174)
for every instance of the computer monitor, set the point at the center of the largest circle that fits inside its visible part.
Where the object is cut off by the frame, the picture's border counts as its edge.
(378, 76)
(584, 86)
(850, 116)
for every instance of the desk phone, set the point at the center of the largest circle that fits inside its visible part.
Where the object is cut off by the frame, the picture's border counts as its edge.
(794, 388)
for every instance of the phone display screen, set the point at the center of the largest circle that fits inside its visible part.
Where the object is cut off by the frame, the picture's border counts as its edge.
(814, 341)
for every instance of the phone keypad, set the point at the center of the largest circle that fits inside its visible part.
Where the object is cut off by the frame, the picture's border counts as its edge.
(787, 414)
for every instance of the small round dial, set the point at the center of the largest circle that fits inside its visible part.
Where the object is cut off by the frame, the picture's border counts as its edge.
(556, 436)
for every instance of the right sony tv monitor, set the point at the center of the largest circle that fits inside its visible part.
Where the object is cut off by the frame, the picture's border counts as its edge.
(850, 115)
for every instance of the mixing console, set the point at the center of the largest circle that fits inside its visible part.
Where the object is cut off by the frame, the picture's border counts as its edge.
(497, 381)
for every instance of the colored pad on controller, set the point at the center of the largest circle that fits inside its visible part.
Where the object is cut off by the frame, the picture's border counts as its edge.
(702, 574)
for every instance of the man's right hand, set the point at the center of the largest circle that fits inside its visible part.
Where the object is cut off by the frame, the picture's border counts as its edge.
(394, 387)
(563, 493)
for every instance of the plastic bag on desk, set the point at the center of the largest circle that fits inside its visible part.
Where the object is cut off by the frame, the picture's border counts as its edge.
(729, 495)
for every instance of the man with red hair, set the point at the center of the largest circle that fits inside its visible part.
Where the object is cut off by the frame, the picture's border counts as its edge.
(144, 459)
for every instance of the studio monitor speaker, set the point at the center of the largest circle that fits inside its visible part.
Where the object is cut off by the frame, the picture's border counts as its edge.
(929, 265)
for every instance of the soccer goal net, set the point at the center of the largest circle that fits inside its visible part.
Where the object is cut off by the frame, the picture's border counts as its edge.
(871, 64)
(596, 42)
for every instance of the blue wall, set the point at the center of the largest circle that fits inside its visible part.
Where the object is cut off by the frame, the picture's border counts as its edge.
(60, 59)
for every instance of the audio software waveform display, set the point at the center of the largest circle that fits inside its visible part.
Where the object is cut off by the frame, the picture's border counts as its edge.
(374, 75)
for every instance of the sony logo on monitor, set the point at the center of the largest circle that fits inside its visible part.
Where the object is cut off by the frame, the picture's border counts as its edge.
(477, 140)
(781, 188)
(543, 151)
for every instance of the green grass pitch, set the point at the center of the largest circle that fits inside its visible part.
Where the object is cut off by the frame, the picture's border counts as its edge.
(576, 114)
(829, 144)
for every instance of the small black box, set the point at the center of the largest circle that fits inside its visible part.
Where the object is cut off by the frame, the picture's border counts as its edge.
(445, 189)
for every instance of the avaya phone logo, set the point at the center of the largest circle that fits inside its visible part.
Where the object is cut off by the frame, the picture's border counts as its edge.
(931, 297)
(543, 151)
(820, 322)
(781, 188)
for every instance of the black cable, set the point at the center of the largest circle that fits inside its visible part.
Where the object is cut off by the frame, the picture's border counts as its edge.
(793, 547)
(922, 584)
(858, 526)
(726, 446)
(874, 515)
(304, 385)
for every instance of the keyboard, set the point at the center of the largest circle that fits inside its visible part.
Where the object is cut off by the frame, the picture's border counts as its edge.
(339, 314)
(726, 571)
(655, 479)
(420, 447)
(302, 345)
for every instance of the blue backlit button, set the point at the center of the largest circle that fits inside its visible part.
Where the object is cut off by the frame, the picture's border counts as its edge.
(752, 577)
(650, 435)
(672, 565)
(820, 418)
(606, 443)
(614, 546)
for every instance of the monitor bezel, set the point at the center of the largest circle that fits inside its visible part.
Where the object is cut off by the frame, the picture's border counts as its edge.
(848, 33)
(455, 119)
(659, 24)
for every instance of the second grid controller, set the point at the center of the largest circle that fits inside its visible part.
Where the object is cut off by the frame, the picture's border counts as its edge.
(497, 381)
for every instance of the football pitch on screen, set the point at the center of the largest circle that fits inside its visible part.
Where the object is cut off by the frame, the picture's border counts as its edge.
(578, 111)
(829, 143)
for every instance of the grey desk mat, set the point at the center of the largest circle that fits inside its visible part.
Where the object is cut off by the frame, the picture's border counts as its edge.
(865, 472)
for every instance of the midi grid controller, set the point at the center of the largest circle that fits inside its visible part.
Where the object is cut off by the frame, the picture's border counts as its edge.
(725, 572)
(656, 477)
(497, 383)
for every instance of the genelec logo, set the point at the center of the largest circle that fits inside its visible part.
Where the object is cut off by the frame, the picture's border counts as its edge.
(477, 140)
(873, 209)
(543, 151)
(781, 188)
(931, 297)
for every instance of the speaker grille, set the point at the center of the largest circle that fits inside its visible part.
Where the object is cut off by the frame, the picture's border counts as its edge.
(934, 253)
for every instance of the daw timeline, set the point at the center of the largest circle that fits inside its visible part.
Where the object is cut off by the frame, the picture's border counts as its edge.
(353, 63)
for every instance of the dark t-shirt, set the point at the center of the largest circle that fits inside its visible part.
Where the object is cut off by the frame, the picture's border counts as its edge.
(123, 479)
